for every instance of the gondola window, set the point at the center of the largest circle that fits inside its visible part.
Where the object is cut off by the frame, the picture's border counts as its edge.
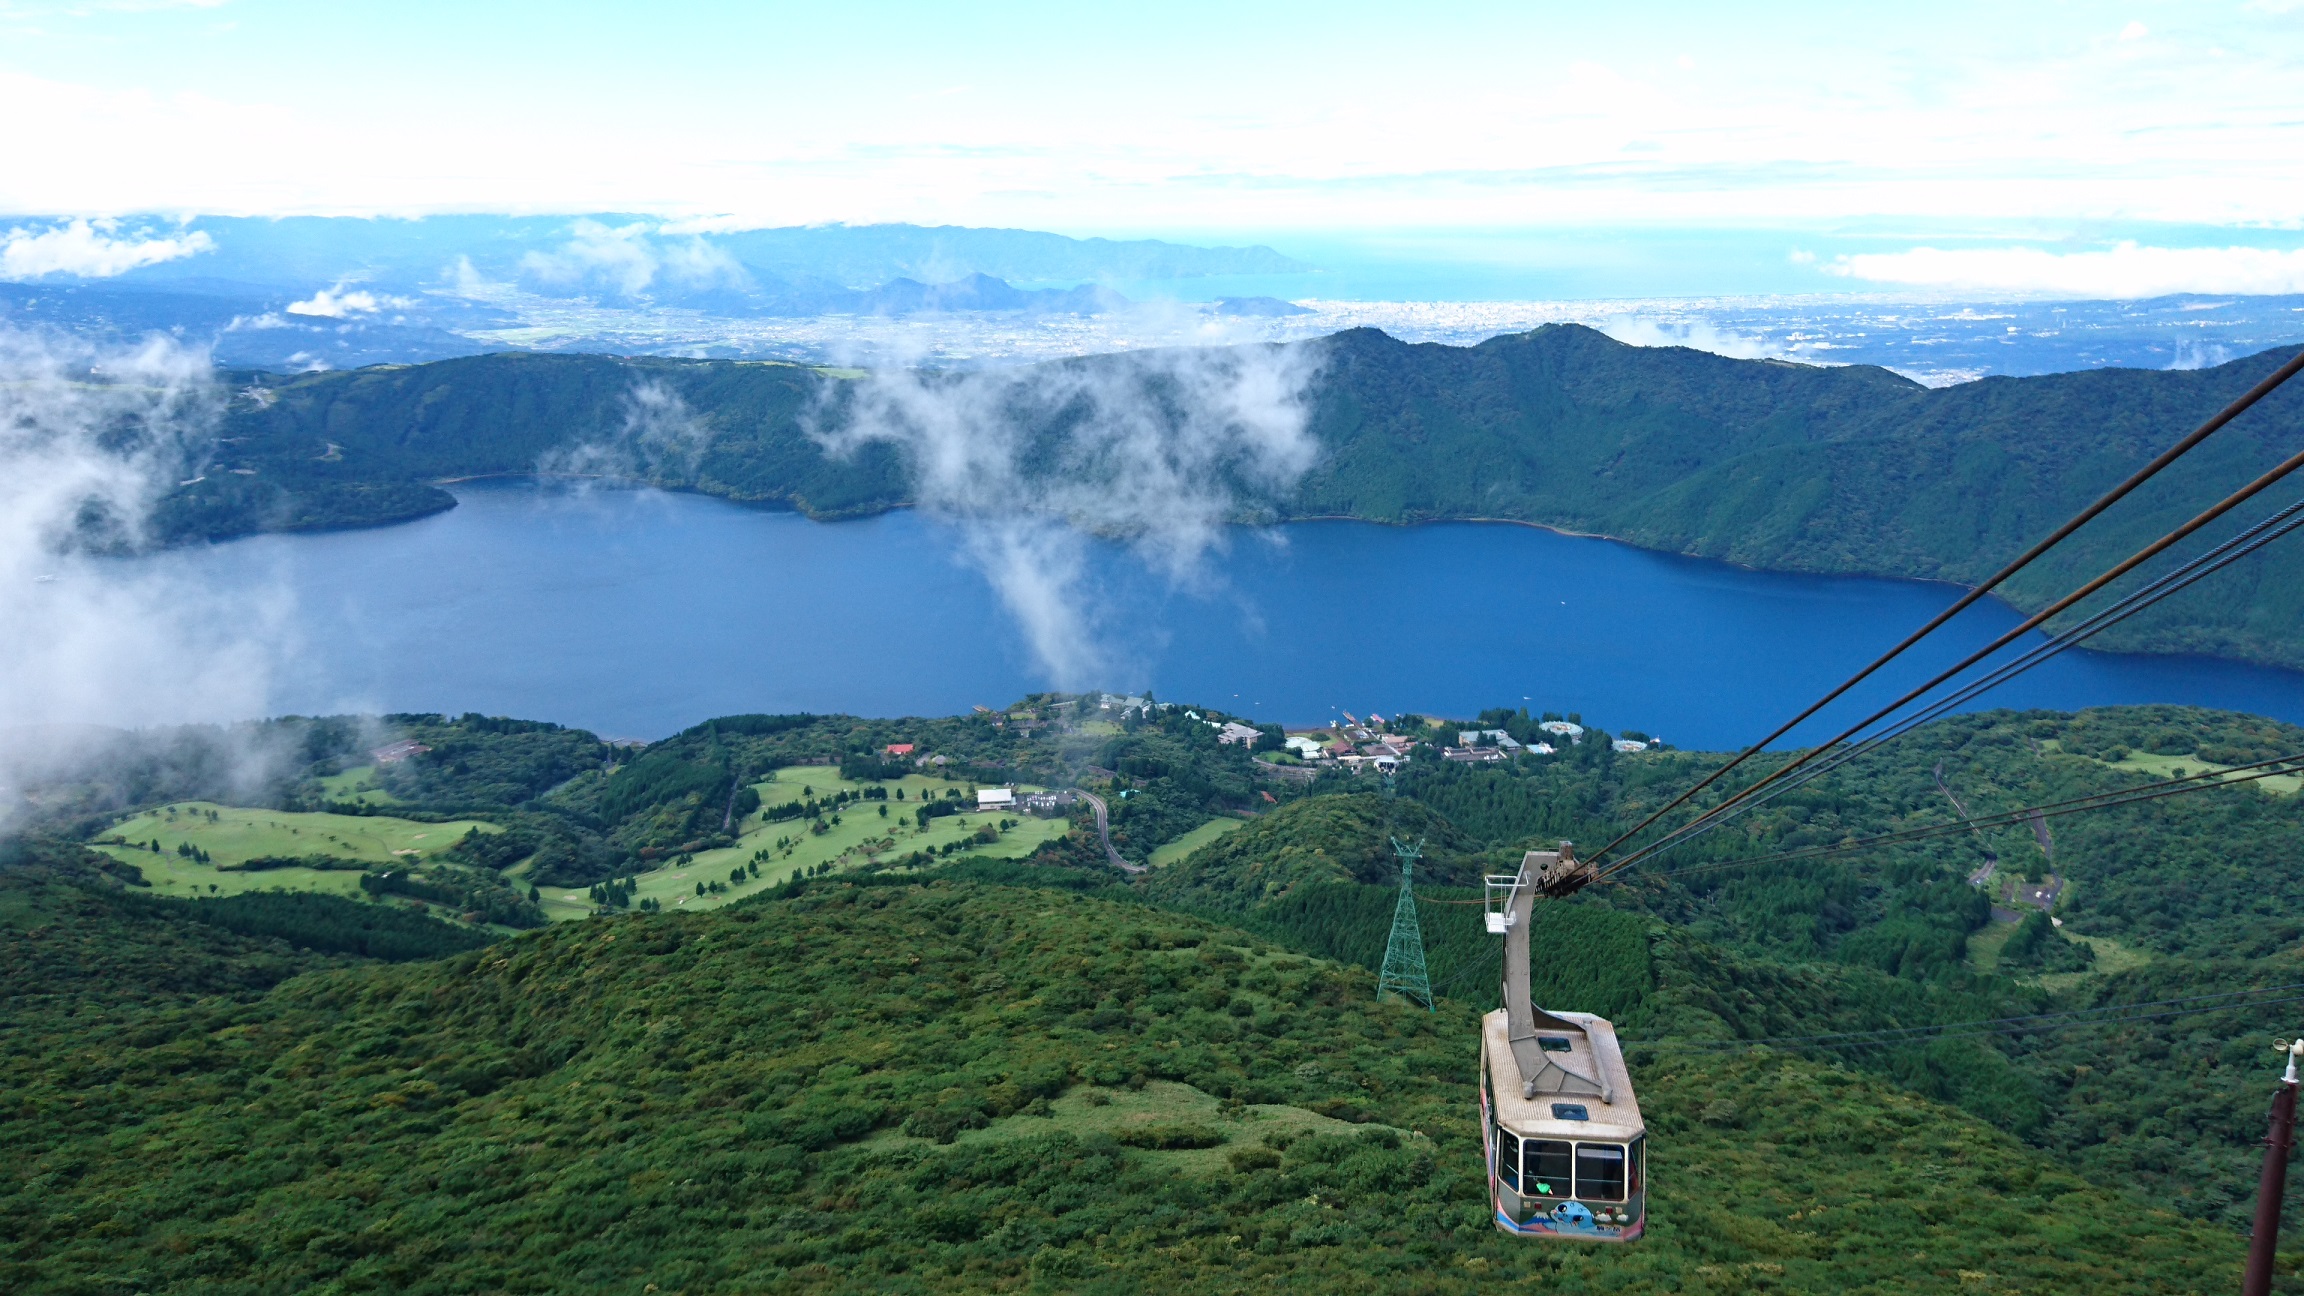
(1549, 1165)
(1600, 1171)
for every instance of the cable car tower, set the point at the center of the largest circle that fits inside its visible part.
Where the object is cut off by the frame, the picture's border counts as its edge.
(1404, 972)
(1567, 1150)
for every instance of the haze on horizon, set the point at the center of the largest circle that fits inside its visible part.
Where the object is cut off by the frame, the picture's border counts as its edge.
(2081, 150)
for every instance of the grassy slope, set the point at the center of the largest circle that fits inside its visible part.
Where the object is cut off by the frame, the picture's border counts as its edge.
(1194, 840)
(861, 836)
(241, 834)
(684, 1102)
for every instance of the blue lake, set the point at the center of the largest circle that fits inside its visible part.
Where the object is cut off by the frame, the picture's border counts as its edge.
(637, 613)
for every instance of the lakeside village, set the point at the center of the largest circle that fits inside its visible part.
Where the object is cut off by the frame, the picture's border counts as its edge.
(1351, 744)
(1357, 745)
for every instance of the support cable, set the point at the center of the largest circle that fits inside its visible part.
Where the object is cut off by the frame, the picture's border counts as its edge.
(2263, 482)
(2023, 560)
(2280, 524)
(2006, 819)
(1832, 1037)
(2189, 1006)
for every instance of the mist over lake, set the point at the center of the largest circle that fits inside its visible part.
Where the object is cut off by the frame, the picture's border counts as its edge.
(639, 612)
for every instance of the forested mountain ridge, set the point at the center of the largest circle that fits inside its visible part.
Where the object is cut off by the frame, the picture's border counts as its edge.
(1766, 463)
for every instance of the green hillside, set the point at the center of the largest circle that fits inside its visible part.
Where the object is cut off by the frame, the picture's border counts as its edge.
(775, 1097)
(1777, 465)
(949, 1071)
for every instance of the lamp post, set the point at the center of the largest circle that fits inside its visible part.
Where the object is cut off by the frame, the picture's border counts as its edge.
(2274, 1182)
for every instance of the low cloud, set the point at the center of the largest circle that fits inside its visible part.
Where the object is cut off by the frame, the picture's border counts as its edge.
(2191, 354)
(90, 441)
(2127, 270)
(627, 261)
(90, 250)
(339, 302)
(1162, 449)
(661, 441)
(1634, 331)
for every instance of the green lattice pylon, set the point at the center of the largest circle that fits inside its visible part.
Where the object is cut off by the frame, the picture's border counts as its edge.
(1404, 973)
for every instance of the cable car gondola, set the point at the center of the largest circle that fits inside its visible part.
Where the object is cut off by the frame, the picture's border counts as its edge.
(1567, 1151)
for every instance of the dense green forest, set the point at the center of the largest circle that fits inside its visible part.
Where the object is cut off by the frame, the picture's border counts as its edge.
(1047, 1074)
(897, 1089)
(1766, 463)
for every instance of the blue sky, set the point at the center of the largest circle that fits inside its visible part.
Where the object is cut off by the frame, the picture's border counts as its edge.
(2011, 144)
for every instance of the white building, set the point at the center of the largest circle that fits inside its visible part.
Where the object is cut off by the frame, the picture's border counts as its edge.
(1571, 732)
(1308, 748)
(995, 798)
(1232, 732)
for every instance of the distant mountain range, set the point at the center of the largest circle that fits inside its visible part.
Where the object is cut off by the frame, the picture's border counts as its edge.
(339, 292)
(1776, 465)
(244, 327)
(633, 256)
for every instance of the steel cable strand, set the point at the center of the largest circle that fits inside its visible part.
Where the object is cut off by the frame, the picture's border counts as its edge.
(2006, 819)
(2018, 1020)
(2283, 523)
(2166, 457)
(1972, 1030)
(2265, 481)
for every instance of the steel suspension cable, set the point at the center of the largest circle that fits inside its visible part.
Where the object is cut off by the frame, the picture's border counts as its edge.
(2189, 1005)
(2263, 482)
(2247, 542)
(2281, 766)
(2166, 457)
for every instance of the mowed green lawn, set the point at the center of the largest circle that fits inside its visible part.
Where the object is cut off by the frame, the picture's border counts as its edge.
(357, 785)
(1194, 840)
(862, 835)
(238, 835)
(2155, 767)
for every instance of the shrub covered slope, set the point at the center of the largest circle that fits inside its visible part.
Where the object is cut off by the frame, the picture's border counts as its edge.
(842, 1091)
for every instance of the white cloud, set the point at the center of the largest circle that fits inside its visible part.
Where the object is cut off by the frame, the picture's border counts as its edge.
(2126, 270)
(1635, 331)
(661, 441)
(90, 441)
(1158, 447)
(626, 260)
(1529, 126)
(336, 303)
(88, 249)
(620, 257)
(2134, 31)
(2191, 354)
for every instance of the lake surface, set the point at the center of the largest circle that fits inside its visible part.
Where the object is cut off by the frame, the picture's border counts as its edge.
(638, 613)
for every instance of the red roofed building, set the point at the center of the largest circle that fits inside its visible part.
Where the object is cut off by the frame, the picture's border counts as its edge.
(900, 749)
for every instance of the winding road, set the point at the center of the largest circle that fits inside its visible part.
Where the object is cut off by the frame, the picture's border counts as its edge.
(1104, 834)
